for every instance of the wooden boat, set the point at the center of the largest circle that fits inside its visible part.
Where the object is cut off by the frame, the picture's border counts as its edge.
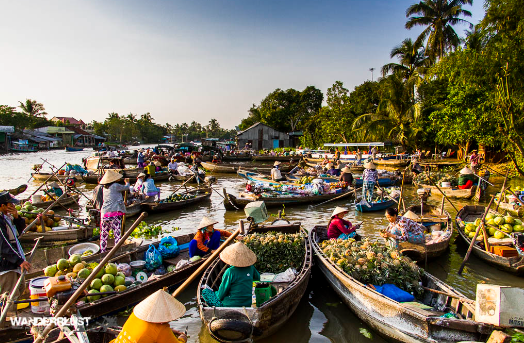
(376, 206)
(220, 168)
(232, 202)
(433, 220)
(70, 199)
(452, 193)
(514, 210)
(270, 315)
(468, 214)
(72, 234)
(70, 148)
(404, 322)
(391, 163)
(41, 177)
(270, 158)
(133, 174)
(201, 194)
(233, 158)
(18, 190)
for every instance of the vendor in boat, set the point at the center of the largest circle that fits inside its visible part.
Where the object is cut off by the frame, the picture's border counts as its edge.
(250, 186)
(332, 170)
(358, 157)
(113, 207)
(55, 189)
(172, 167)
(370, 178)
(325, 161)
(216, 158)
(207, 238)
(402, 229)
(338, 227)
(158, 166)
(150, 168)
(149, 189)
(137, 188)
(149, 322)
(346, 176)
(466, 178)
(140, 159)
(11, 253)
(474, 160)
(237, 282)
(276, 175)
(337, 155)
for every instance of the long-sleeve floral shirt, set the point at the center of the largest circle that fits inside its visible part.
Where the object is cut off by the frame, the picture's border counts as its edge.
(407, 230)
(370, 175)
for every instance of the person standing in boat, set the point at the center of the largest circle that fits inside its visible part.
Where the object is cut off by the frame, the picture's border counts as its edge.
(11, 252)
(358, 157)
(337, 156)
(402, 229)
(466, 178)
(346, 176)
(370, 178)
(338, 227)
(149, 189)
(474, 160)
(140, 159)
(207, 238)
(113, 207)
(276, 175)
(149, 322)
(374, 152)
(237, 282)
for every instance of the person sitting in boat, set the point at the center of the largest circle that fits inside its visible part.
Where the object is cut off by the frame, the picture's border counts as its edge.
(402, 229)
(113, 165)
(346, 176)
(216, 158)
(172, 167)
(338, 227)
(250, 186)
(54, 188)
(417, 168)
(325, 161)
(158, 166)
(237, 282)
(113, 207)
(207, 238)
(149, 322)
(276, 175)
(474, 160)
(11, 252)
(466, 178)
(332, 170)
(149, 189)
(150, 168)
(137, 188)
(370, 178)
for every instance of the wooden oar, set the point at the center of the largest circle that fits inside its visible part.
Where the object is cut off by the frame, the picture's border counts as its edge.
(401, 200)
(42, 185)
(335, 198)
(443, 194)
(474, 239)
(42, 336)
(13, 291)
(208, 261)
(502, 190)
(43, 213)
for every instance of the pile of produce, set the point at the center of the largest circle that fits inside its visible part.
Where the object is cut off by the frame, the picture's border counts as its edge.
(507, 224)
(437, 177)
(30, 212)
(142, 231)
(305, 180)
(276, 252)
(373, 263)
(177, 197)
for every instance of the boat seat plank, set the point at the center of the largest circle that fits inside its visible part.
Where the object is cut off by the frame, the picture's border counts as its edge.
(184, 254)
(424, 311)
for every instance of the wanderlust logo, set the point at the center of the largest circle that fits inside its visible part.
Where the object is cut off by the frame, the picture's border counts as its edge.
(45, 321)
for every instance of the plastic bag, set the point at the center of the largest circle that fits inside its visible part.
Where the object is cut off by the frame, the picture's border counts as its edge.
(124, 268)
(181, 263)
(393, 292)
(153, 258)
(168, 247)
(287, 276)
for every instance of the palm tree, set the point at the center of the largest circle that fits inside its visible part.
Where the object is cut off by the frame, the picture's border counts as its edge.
(438, 16)
(32, 108)
(395, 116)
(412, 60)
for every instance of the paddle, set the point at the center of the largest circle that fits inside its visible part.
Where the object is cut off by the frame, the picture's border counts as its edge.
(12, 294)
(474, 239)
(41, 336)
(336, 198)
(401, 200)
(443, 194)
(208, 261)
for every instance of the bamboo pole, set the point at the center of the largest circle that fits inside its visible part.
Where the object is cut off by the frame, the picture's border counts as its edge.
(401, 191)
(42, 185)
(474, 239)
(502, 190)
(37, 219)
(41, 337)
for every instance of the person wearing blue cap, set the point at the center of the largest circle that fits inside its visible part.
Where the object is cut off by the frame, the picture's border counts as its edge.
(11, 252)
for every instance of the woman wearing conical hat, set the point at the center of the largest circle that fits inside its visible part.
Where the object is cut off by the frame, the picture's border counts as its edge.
(149, 322)
(237, 282)
(466, 178)
(346, 176)
(207, 238)
(338, 227)
(113, 207)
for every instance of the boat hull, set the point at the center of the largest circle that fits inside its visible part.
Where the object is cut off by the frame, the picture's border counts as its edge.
(375, 206)
(204, 194)
(452, 193)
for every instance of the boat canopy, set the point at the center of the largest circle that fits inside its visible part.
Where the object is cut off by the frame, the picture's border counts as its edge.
(357, 144)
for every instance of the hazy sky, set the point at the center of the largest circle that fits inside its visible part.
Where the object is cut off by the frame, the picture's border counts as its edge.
(189, 60)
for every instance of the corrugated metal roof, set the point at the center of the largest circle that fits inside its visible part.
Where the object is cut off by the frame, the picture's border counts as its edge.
(7, 129)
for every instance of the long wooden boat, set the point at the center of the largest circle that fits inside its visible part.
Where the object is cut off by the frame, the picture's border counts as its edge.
(453, 193)
(233, 158)
(404, 322)
(71, 149)
(514, 210)
(376, 206)
(468, 214)
(70, 199)
(392, 163)
(434, 221)
(130, 174)
(220, 168)
(73, 234)
(270, 315)
(232, 202)
(41, 177)
(270, 158)
(201, 194)
(18, 190)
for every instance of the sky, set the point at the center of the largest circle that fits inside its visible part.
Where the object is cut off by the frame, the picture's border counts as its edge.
(190, 60)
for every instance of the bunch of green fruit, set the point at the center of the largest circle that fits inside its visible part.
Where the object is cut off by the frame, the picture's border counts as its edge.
(497, 226)
(177, 197)
(146, 231)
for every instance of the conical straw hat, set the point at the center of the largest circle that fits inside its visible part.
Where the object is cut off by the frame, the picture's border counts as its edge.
(238, 255)
(159, 307)
(205, 222)
(329, 165)
(339, 210)
(346, 170)
(110, 176)
(466, 171)
(370, 165)
(277, 163)
(411, 215)
(158, 164)
(54, 184)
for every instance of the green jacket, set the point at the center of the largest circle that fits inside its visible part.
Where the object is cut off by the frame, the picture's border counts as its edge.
(463, 179)
(236, 288)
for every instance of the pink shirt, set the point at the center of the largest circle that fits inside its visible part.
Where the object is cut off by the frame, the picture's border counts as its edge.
(339, 226)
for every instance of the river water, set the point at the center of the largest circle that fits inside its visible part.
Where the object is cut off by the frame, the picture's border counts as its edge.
(321, 316)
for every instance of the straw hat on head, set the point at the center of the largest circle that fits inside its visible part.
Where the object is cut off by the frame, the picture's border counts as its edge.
(110, 176)
(370, 165)
(54, 184)
(238, 255)
(411, 215)
(346, 170)
(466, 171)
(339, 210)
(277, 163)
(141, 175)
(205, 222)
(158, 164)
(329, 165)
(159, 307)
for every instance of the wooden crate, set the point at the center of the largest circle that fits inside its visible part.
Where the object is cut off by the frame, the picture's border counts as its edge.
(503, 251)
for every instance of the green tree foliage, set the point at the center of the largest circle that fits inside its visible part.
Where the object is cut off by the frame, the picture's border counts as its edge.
(412, 60)
(32, 115)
